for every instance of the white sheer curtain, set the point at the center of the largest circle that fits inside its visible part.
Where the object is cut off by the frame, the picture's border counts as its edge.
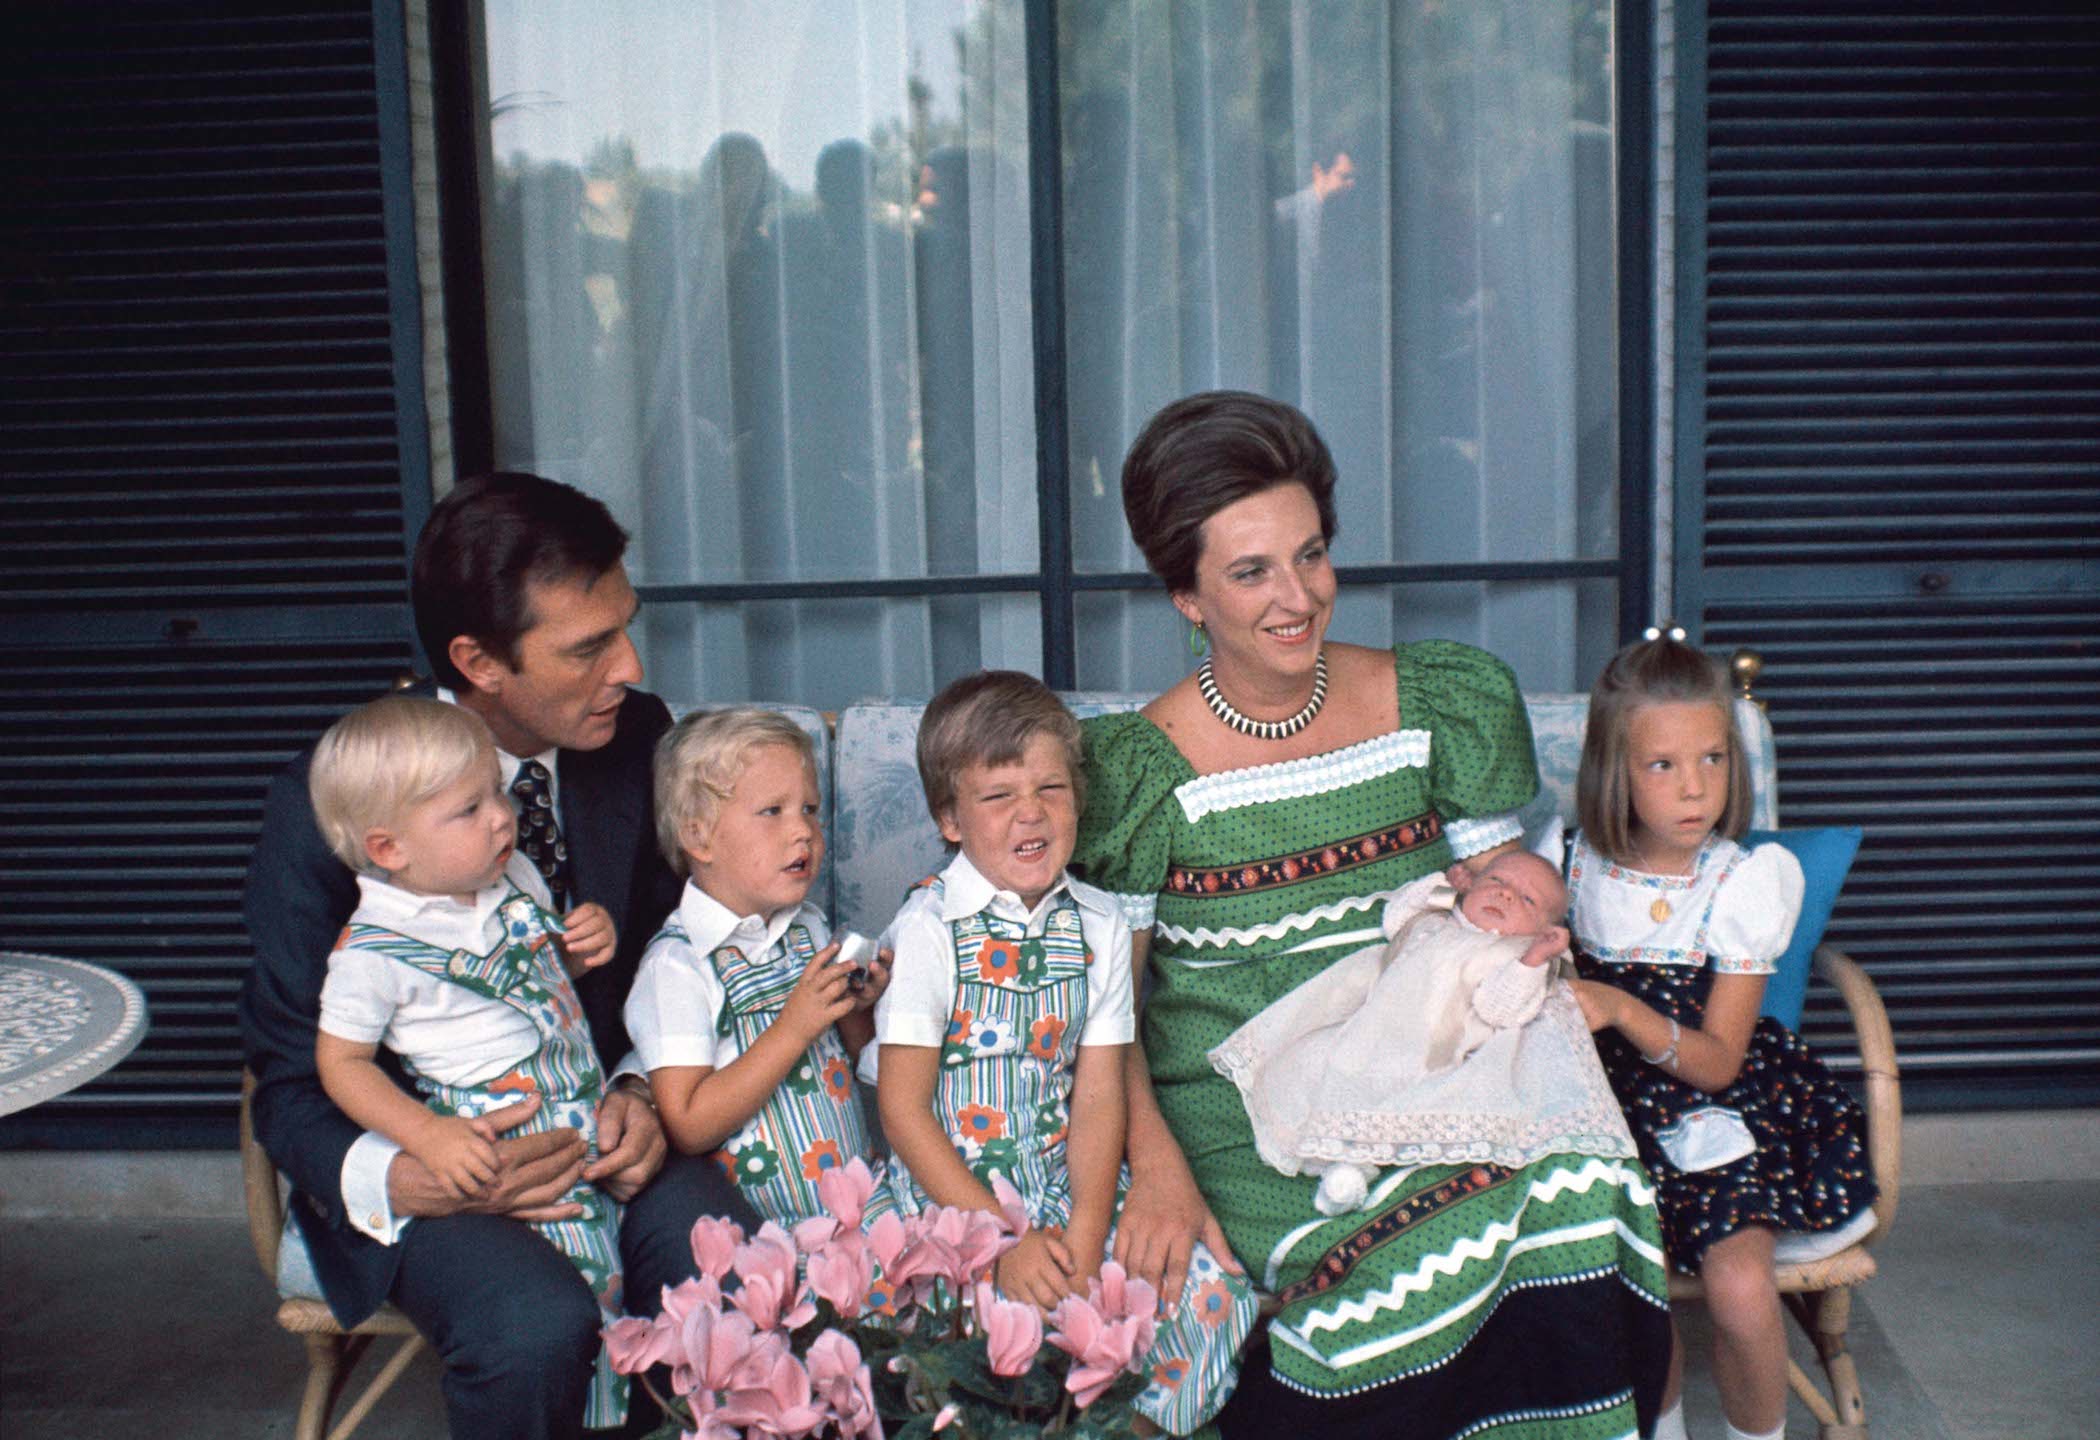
(1395, 215)
(759, 278)
(759, 275)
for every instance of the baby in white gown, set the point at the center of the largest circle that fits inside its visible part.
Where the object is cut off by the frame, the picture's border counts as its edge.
(1454, 1041)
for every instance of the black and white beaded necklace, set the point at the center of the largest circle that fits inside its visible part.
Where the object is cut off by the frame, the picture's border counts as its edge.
(1264, 729)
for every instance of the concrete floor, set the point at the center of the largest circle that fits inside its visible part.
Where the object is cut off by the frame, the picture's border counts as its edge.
(1984, 1324)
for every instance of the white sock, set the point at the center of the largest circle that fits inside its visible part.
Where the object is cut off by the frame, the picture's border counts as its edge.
(1777, 1432)
(1670, 1424)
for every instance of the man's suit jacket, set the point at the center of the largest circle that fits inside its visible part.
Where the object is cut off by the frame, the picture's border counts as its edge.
(297, 900)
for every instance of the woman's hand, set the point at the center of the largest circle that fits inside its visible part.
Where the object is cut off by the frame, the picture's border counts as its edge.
(1164, 1215)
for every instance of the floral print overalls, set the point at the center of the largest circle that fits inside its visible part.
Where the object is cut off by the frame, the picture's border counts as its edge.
(524, 972)
(1004, 1096)
(813, 1121)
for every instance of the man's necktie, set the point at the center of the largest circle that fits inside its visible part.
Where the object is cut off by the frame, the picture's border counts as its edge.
(539, 833)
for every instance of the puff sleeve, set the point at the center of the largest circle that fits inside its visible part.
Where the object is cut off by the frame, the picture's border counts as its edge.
(1126, 832)
(1482, 769)
(1754, 913)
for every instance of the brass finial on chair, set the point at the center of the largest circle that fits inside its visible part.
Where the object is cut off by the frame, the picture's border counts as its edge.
(1746, 665)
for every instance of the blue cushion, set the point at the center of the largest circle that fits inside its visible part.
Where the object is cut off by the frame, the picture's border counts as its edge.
(1825, 856)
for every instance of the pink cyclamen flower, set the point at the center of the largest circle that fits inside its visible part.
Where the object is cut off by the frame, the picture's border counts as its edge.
(843, 1385)
(924, 1260)
(946, 1418)
(634, 1344)
(711, 1345)
(774, 1400)
(714, 1245)
(1013, 1331)
(842, 1272)
(1101, 1349)
(1120, 1295)
(772, 1293)
(1012, 1209)
(977, 1237)
(846, 1190)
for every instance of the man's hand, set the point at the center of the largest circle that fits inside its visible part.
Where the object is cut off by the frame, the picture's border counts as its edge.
(588, 939)
(533, 1173)
(630, 1145)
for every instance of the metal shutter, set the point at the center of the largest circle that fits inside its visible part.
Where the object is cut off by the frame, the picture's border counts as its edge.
(202, 436)
(1900, 476)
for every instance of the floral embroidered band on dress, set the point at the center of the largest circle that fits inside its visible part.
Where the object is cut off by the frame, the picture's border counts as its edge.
(1334, 1267)
(1423, 829)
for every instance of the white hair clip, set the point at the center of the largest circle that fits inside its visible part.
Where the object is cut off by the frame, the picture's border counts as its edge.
(1674, 632)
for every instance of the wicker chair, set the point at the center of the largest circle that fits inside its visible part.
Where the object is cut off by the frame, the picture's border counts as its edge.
(1819, 1292)
(331, 1351)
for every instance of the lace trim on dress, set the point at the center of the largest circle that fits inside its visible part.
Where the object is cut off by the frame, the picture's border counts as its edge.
(1297, 779)
(1745, 965)
(1470, 837)
(1138, 910)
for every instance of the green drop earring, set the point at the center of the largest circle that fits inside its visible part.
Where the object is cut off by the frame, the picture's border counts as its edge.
(1199, 640)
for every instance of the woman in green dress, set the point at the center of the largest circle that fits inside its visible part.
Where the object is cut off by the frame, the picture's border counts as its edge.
(1253, 820)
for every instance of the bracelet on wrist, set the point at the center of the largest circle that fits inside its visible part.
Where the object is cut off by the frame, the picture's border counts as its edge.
(1668, 1056)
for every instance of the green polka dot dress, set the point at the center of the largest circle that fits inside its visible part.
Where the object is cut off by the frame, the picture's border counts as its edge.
(1251, 882)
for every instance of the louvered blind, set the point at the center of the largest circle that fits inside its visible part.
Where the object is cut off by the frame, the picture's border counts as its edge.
(1901, 477)
(203, 498)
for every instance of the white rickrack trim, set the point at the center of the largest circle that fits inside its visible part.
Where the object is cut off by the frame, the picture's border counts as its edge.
(1470, 837)
(1503, 1238)
(1311, 775)
(1275, 929)
(1138, 910)
(1279, 1331)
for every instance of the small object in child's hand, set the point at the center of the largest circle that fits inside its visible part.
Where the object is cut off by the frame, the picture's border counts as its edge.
(857, 950)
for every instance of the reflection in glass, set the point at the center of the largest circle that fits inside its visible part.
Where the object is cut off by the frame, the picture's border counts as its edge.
(758, 275)
(1399, 217)
(825, 653)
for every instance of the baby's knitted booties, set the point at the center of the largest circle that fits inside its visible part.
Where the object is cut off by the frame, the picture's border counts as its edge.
(1343, 1188)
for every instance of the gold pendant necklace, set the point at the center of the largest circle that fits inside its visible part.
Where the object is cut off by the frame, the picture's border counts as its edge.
(1660, 910)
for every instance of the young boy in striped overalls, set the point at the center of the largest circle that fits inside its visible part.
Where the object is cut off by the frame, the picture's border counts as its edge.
(747, 1028)
(453, 963)
(1004, 1035)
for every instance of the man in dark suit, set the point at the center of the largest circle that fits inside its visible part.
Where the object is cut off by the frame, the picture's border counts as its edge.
(523, 605)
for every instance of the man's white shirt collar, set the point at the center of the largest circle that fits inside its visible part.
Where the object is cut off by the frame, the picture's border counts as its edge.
(965, 892)
(509, 765)
(709, 924)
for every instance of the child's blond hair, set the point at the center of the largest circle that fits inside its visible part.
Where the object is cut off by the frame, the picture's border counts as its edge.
(1650, 672)
(697, 765)
(383, 758)
(988, 719)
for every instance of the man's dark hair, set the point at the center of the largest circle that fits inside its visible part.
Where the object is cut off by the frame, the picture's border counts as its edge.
(489, 540)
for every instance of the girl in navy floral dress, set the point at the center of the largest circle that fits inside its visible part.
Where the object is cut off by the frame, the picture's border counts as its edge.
(1756, 1150)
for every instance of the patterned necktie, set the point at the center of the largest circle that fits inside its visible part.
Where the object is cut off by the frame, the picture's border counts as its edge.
(539, 833)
